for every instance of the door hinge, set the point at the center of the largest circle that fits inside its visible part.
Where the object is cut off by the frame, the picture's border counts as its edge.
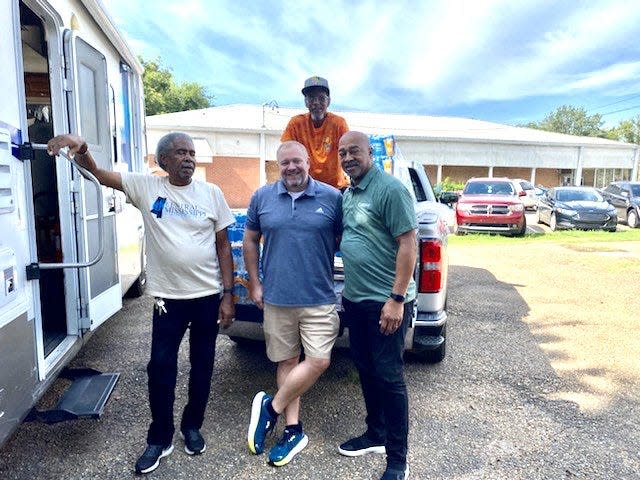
(83, 312)
(74, 185)
(74, 190)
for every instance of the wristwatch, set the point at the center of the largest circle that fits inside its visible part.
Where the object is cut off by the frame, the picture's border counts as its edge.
(397, 297)
(227, 290)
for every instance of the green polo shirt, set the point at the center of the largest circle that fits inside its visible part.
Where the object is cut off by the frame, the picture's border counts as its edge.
(375, 212)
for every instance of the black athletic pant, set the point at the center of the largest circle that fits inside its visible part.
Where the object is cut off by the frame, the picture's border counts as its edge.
(200, 315)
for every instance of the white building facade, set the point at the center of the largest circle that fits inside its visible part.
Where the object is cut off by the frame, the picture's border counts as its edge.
(236, 146)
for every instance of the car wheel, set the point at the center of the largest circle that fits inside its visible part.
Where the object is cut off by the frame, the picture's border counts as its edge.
(538, 216)
(632, 219)
(522, 230)
(552, 222)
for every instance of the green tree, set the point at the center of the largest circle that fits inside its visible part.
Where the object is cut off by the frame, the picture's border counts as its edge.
(627, 130)
(573, 121)
(163, 95)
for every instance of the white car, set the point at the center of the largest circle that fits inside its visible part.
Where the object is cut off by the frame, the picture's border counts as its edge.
(530, 201)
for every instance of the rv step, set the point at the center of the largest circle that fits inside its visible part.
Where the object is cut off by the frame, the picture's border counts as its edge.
(84, 398)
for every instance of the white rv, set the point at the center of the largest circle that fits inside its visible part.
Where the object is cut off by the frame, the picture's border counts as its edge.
(67, 254)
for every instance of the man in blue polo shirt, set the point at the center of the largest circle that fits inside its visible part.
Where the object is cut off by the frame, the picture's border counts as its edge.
(300, 220)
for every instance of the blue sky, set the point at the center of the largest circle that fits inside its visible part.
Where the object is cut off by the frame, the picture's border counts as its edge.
(508, 61)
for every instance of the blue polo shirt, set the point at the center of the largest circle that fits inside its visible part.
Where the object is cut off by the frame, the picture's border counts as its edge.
(299, 242)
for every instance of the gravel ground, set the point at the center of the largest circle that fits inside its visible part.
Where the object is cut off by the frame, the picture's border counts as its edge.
(540, 382)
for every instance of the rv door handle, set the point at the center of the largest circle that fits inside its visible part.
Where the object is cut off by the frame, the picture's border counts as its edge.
(89, 176)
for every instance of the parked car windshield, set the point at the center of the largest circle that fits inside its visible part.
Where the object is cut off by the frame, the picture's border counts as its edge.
(526, 185)
(578, 196)
(489, 188)
(635, 190)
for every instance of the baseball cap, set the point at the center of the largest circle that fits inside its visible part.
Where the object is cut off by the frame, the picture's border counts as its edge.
(313, 82)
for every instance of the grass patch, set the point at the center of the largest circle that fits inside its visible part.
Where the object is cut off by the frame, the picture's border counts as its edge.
(562, 236)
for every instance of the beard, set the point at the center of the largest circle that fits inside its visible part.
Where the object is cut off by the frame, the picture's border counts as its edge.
(318, 116)
(296, 181)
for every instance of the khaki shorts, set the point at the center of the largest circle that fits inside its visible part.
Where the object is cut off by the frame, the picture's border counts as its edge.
(287, 328)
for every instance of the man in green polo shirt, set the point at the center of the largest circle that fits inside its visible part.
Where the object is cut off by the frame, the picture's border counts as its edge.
(379, 253)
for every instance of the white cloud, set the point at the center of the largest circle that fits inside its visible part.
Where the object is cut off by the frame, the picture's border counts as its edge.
(443, 52)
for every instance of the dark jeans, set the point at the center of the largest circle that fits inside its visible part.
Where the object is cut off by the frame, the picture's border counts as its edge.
(200, 315)
(378, 358)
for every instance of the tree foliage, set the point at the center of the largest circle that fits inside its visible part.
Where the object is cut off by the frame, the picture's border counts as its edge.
(573, 121)
(627, 131)
(163, 95)
(447, 185)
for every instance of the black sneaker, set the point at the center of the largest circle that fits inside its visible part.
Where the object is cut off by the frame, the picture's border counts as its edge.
(395, 474)
(193, 442)
(150, 459)
(360, 446)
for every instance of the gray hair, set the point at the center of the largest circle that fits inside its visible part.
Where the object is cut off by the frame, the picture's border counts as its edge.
(165, 144)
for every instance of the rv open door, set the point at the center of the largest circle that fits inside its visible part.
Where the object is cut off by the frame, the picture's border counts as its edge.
(88, 106)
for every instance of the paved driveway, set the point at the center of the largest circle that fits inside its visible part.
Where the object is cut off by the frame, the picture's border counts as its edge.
(541, 381)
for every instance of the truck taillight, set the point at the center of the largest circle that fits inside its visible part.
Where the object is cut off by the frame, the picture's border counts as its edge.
(430, 279)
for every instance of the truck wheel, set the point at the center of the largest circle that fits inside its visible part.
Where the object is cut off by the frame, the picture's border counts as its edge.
(437, 355)
(632, 219)
(523, 230)
(431, 356)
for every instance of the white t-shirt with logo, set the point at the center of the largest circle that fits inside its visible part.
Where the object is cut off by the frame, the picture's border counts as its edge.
(180, 231)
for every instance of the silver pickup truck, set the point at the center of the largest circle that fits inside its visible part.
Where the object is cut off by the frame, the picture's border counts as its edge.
(426, 339)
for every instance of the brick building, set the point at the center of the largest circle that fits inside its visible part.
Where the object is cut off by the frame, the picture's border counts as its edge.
(236, 147)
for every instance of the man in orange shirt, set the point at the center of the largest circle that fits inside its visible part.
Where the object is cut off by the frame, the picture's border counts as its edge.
(320, 132)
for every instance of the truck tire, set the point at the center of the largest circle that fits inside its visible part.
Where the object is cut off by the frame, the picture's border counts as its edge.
(431, 356)
(437, 355)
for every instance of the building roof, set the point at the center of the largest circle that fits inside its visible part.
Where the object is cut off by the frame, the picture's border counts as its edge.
(258, 118)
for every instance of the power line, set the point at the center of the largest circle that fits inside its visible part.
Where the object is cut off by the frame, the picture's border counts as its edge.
(621, 110)
(615, 103)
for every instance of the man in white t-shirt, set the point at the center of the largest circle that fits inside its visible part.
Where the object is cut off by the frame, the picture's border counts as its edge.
(190, 273)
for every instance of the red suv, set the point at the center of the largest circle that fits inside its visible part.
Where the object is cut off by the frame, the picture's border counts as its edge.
(491, 205)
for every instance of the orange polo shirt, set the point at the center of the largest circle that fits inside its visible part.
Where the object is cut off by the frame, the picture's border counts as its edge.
(322, 145)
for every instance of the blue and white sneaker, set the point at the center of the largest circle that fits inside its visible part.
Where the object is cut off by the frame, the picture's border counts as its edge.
(290, 444)
(261, 423)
